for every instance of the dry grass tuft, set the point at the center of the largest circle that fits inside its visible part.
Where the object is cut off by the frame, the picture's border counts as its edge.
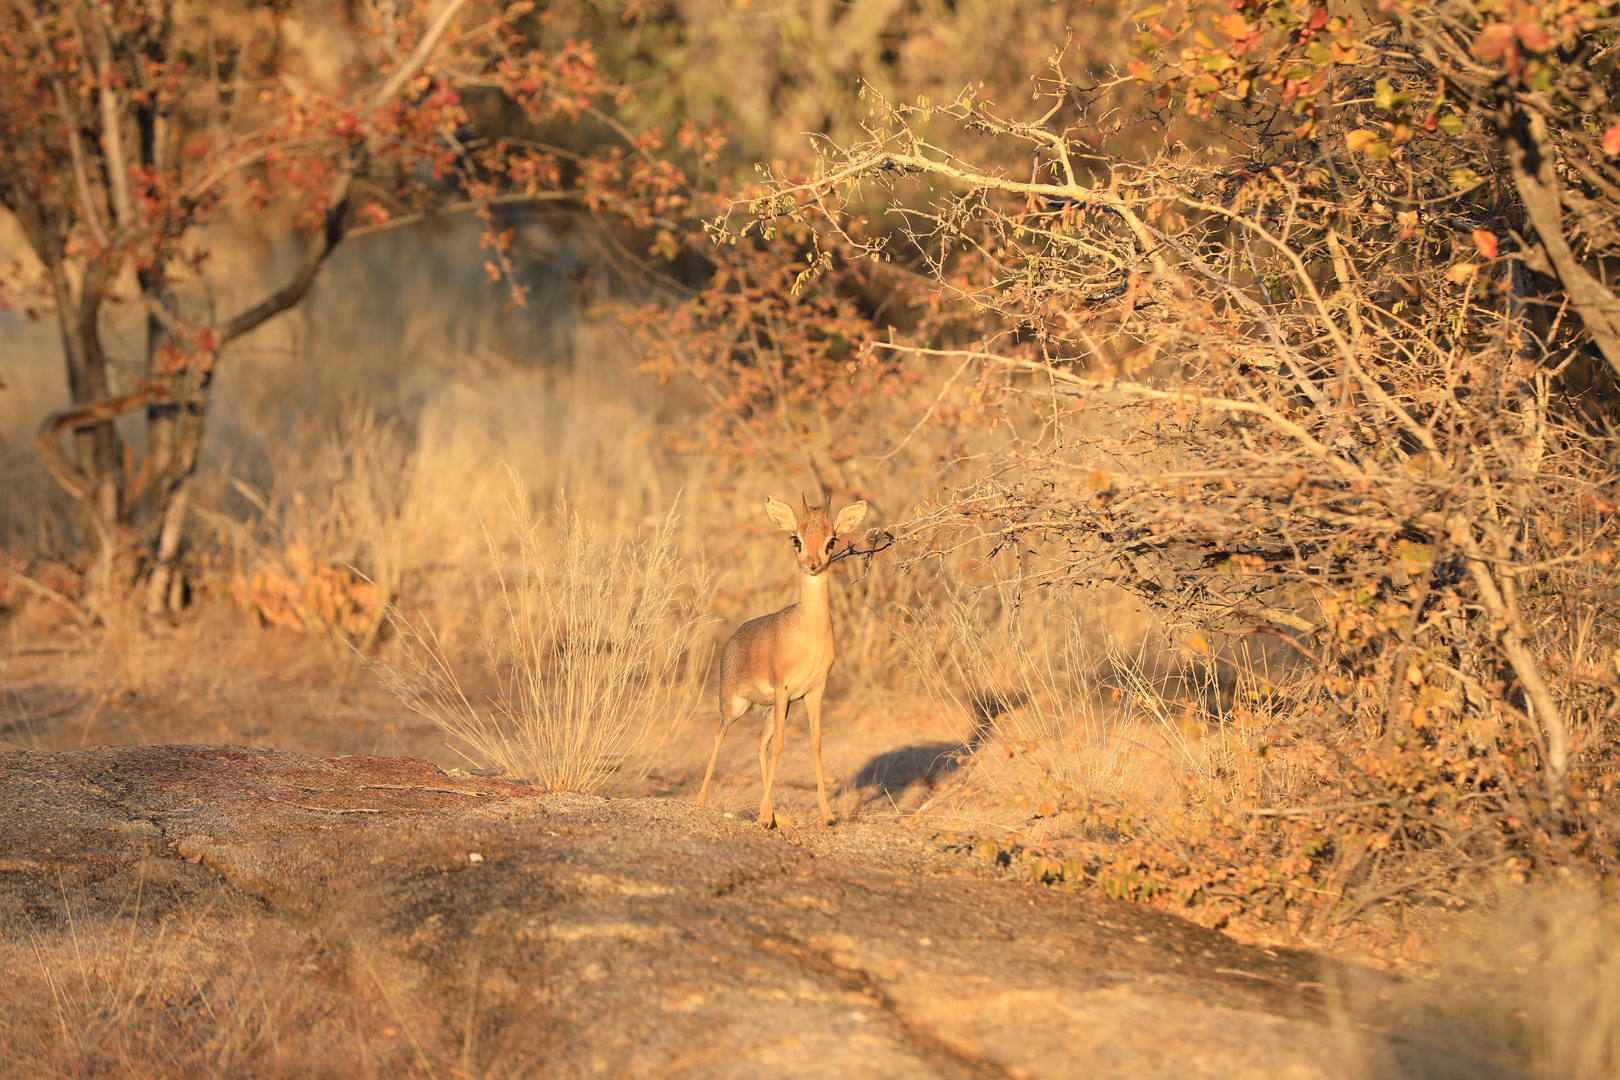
(593, 653)
(1550, 970)
(190, 996)
(1529, 989)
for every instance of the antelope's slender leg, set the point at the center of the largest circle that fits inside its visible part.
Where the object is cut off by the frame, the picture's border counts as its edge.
(813, 701)
(719, 737)
(766, 816)
(765, 734)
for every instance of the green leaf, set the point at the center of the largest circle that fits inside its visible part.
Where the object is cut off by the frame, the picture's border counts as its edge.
(1451, 124)
(1385, 97)
(1462, 179)
(1360, 140)
(1152, 11)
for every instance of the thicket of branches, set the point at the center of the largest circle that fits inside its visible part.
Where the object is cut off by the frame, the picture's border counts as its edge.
(1342, 375)
(138, 137)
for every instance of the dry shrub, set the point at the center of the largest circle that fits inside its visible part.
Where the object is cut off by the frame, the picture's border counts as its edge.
(1264, 402)
(310, 595)
(594, 652)
(186, 997)
(1235, 797)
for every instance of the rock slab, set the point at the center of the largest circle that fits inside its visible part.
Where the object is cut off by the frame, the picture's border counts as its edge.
(573, 936)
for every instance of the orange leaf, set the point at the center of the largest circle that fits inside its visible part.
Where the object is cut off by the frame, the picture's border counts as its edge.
(1611, 141)
(1486, 243)
(1493, 41)
(1534, 36)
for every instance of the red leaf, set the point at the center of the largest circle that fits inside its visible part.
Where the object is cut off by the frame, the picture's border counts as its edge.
(1493, 41)
(1534, 36)
(1485, 242)
(1611, 141)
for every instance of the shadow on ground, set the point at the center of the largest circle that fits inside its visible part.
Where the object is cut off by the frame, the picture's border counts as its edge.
(887, 777)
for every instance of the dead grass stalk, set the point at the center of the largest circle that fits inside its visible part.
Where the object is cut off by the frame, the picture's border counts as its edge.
(589, 655)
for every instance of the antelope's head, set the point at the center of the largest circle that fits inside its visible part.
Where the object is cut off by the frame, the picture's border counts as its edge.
(815, 532)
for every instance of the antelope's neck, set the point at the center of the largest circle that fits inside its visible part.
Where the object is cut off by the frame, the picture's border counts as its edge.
(813, 607)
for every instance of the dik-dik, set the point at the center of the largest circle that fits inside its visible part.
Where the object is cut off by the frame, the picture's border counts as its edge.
(780, 658)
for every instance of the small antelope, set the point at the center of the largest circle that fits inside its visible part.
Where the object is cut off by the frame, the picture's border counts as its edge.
(780, 658)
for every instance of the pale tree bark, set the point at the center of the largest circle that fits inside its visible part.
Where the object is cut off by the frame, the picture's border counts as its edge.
(163, 589)
(1530, 155)
(1510, 630)
(98, 472)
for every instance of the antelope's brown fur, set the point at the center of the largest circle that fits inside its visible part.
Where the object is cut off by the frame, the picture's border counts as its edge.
(779, 658)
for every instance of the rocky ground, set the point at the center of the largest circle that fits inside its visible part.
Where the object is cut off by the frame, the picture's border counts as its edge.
(176, 910)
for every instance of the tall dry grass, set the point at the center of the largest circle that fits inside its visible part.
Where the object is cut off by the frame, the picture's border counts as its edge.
(1528, 989)
(1070, 685)
(595, 651)
(191, 995)
(394, 485)
(359, 439)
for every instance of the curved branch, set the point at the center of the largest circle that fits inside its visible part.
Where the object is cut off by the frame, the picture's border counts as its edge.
(73, 479)
(880, 161)
(1185, 397)
(337, 197)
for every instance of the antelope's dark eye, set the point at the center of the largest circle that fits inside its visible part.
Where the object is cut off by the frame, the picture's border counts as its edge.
(796, 545)
(831, 542)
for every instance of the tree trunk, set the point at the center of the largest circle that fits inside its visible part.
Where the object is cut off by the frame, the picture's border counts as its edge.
(172, 492)
(96, 450)
(162, 411)
(1530, 153)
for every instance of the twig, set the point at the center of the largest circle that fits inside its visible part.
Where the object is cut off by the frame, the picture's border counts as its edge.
(50, 594)
(322, 809)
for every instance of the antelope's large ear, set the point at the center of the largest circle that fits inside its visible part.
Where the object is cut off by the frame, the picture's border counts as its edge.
(849, 518)
(781, 515)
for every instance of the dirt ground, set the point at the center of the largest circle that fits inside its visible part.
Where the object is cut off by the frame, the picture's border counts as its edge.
(178, 911)
(219, 682)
